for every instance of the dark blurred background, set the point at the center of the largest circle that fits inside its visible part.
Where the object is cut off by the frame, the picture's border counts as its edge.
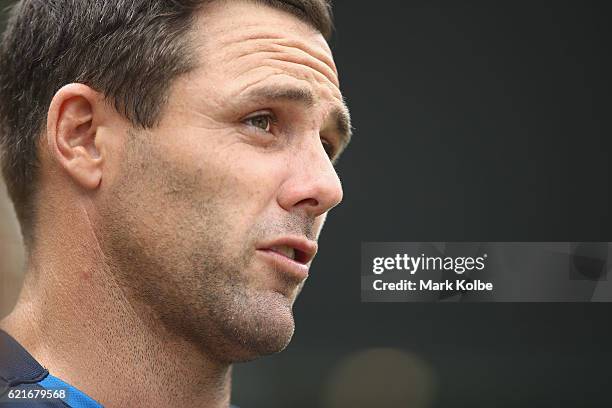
(472, 123)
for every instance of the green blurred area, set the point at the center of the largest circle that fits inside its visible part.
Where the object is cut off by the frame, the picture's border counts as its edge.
(3, 6)
(11, 254)
(11, 250)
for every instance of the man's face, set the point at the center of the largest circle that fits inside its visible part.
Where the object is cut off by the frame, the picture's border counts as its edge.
(212, 217)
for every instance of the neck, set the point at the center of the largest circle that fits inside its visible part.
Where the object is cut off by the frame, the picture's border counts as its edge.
(78, 322)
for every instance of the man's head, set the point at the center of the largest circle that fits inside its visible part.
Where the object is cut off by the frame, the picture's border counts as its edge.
(197, 137)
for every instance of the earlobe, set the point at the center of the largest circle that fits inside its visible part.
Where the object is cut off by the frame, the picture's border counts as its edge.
(72, 127)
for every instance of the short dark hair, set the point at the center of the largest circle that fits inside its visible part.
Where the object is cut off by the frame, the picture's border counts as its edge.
(129, 50)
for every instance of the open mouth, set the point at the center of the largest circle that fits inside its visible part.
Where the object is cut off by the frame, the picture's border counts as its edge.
(291, 253)
(297, 249)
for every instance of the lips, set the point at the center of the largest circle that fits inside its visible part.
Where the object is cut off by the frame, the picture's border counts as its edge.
(285, 250)
(297, 249)
(291, 255)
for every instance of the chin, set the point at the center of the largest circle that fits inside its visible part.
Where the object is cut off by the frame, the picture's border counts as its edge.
(266, 328)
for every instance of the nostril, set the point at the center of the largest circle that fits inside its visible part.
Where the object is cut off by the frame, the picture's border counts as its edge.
(309, 202)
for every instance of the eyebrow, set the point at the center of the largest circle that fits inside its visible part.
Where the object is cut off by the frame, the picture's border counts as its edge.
(288, 93)
(340, 115)
(342, 119)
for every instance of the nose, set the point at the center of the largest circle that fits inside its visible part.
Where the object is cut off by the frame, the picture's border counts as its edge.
(313, 185)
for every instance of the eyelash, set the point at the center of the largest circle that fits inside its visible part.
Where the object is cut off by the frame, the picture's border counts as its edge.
(327, 145)
(269, 116)
(329, 148)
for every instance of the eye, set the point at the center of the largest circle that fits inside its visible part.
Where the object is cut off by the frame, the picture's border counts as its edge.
(329, 148)
(260, 121)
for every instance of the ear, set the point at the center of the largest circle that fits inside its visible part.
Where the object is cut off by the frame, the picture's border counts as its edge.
(72, 124)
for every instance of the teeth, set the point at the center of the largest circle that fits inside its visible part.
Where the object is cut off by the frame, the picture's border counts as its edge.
(285, 250)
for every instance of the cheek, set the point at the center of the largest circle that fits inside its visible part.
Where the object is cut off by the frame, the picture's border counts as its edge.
(243, 181)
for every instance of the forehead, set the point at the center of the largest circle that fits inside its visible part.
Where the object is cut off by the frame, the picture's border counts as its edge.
(231, 34)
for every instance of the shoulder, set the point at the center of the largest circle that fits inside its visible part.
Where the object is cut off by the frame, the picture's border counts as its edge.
(24, 383)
